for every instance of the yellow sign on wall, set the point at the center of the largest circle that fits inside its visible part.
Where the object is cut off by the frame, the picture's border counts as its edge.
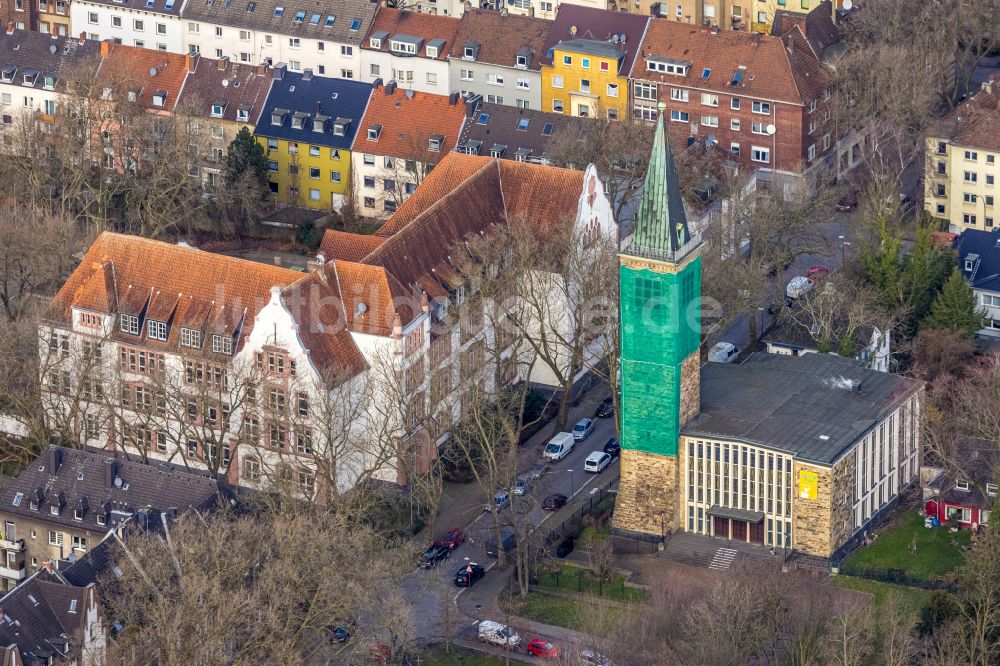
(808, 484)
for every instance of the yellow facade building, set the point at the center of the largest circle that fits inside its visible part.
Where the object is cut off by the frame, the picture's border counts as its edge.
(585, 80)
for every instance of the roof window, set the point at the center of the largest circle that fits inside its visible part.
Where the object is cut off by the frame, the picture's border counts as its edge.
(355, 25)
(373, 132)
(278, 11)
(299, 17)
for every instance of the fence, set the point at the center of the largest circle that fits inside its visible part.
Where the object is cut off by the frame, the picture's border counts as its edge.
(895, 577)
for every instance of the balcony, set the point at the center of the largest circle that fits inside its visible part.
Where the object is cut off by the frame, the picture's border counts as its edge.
(17, 573)
(15, 546)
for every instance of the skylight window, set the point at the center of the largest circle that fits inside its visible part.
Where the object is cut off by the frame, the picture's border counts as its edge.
(251, 6)
(483, 119)
(150, 3)
(548, 129)
(355, 25)
(314, 19)
(522, 124)
(705, 73)
(329, 21)
(169, 5)
(299, 17)
(278, 11)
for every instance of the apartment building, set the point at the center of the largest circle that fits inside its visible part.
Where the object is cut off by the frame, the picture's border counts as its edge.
(307, 125)
(588, 57)
(962, 163)
(767, 100)
(53, 17)
(409, 48)
(498, 56)
(401, 137)
(152, 24)
(725, 14)
(978, 255)
(325, 40)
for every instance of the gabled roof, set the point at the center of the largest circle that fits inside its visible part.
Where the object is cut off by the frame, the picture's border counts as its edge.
(71, 479)
(407, 121)
(147, 71)
(528, 132)
(574, 22)
(817, 25)
(42, 617)
(976, 464)
(166, 7)
(407, 24)
(982, 250)
(25, 51)
(737, 63)
(975, 123)
(346, 246)
(345, 21)
(234, 86)
(306, 98)
(502, 37)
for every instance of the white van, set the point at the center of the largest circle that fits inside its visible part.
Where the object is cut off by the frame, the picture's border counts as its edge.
(498, 634)
(798, 287)
(559, 446)
(723, 352)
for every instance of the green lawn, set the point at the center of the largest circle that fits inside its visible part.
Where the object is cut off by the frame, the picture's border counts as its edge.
(913, 549)
(913, 599)
(580, 615)
(458, 656)
(568, 579)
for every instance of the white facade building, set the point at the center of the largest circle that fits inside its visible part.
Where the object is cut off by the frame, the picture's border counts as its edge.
(152, 24)
(409, 48)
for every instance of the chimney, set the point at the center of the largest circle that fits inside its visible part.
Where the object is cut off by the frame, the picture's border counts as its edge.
(390, 87)
(10, 27)
(278, 73)
(261, 70)
(110, 473)
(191, 61)
(319, 108)
(377, 83)
(55, 457)
(471, 104)
(83, 37)
(105, 48)
(222, 62)
(307, 74)
(453, 99)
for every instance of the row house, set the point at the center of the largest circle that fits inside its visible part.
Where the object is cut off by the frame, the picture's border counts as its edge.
(152, 24)
(588, 60)
(222, 97)
(402, 135)
(767, 100)
(547, 9)
(327, 41)
(307, 125)
(34, 69)
(409, 48)
(498, 56)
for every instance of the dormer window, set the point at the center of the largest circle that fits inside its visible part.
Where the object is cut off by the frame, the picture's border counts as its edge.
(434, 143)
(299, 120)
(470, 51)
(521, 62)
(373, 132)
(77, 514)
(106, 92)
(190, 338)
(375, 43)
(403, 46)
(49, 83)
(970, 262)
(54, 509)
(222, 344)
(218, 109)
(319, 124)
(243, 114)
(129, 324)
(156, 330)
(33, 504)
(102, 519)
(133, 95)
(7, 74)
(278, 117)
(160, 98)
(29, 77)
(962, 485)
(432, 52)
(340, 127)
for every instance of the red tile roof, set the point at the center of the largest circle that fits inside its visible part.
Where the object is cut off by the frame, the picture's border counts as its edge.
(502, 37)
(130, 67)
(347, 246)
(408, 119)
(415, 24)
(237, 85)
(976, 122)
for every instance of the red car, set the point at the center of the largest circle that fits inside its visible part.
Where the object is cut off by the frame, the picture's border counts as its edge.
(817, 273)
(539, 647)
(453, 539)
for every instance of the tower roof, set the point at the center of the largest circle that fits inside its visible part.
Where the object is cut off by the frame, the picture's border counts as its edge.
(661, 229)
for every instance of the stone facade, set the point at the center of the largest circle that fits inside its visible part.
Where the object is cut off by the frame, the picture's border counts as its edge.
(648, 487)
(690, 387)
(820, 526)
(841, 513)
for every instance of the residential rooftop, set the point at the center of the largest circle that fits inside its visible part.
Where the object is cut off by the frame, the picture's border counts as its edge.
(150, 78)
(37, 60)
(525, 135)
(507, 40)
(166, 7)
(416, 29)
(620, 31)
(410, 125)
(346, 21)
(975, 123)
(43, 619)
(227, 90)
(979, 258)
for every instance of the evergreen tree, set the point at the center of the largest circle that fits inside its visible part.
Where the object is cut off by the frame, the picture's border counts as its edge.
(245, 155)
(954, 308)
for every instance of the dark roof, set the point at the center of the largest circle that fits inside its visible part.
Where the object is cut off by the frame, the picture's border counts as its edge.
(37, 617)
(336, 99)
(976, 462)
(798, 404)
(169, 7)
(314, 18)
(26, 50)
(502, 37)
(574, 22)
(817, 25)
(237, 86)
(414, 27)
(502, 125)
(94, 563)
(590, 47)
(84, 480)
(983, 249)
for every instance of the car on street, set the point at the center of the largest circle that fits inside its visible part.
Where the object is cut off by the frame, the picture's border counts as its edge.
(613, 447)
(501, 500)
(592, 658)
(559, 446)
(454, 538)
(434, 554)
(817, 272)
(597, 462)
(798, 287)
(554, 502)
(606, 409)
(498, 634)
(539, 647)
(847, 203)
(723, 352)
(582, 429)
(522, 484)
(538, 469)
(469, 574)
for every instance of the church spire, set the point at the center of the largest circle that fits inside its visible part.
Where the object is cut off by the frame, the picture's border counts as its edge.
(661, 229)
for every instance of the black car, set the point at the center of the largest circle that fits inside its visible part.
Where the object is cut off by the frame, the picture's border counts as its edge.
(565, 547)
(339, 634)
(469, 574)
(554, 502)
(613, 447)
(437, 552)
(606, 409)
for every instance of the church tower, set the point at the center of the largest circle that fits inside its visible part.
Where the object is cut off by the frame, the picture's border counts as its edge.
(659, 292)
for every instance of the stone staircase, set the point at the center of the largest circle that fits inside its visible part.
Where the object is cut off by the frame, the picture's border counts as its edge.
(723, 559)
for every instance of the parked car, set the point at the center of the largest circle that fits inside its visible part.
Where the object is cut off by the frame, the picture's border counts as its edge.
(798, 287)
(723, 352)
(613, 447)
(339, 634)
(539, 647)
(501, 500)
(469, 574)
(606, 409)
(597, 462)
(582, 429)
(559, 446)
(538, 469)
(522, 484)
(565, 547)
(434, 554)
(508, 542)
(498, 634)
(847, 203)
(592, 658)
(454, 538)
(817, 272)
(554, 502)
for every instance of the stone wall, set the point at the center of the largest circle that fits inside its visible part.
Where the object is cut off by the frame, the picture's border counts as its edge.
(811, 518)
(690, 387)
(842, 502)
(648, 487)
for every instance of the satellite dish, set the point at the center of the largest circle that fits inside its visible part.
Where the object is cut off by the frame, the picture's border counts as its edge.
(152, 71)
(614, 38)
(52, 49)
(225, 83)
(848, 5)
(118, 482)
(771, 129)
(360, 309)
(572, 31)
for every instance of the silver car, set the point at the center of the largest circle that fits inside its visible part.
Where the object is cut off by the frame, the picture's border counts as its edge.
(522, 485)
